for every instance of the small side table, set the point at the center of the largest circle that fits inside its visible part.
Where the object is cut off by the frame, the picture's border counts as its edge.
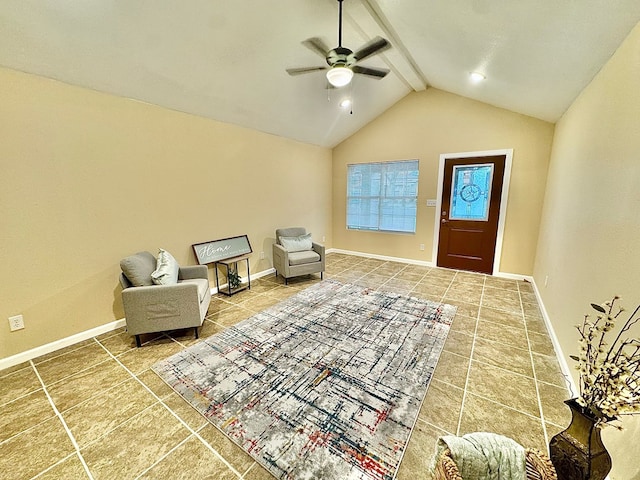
(227, 262)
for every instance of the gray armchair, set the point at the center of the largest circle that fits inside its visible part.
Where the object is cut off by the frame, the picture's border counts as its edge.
(298, 255)
(153, 308)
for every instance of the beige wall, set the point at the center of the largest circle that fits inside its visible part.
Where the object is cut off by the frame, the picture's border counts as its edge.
(426, 124)
(88, 178)
(590, 230)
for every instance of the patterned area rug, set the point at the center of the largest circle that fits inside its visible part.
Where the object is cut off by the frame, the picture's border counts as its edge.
(324, 385)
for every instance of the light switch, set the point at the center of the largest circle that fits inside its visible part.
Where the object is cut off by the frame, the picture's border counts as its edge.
(431, 203)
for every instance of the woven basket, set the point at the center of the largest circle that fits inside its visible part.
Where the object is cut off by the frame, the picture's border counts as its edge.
(538, 467)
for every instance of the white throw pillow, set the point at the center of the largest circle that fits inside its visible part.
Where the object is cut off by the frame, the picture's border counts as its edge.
(166, 272)
(300, 243)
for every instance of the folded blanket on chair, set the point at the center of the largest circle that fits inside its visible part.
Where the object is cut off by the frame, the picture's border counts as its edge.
(485, 456)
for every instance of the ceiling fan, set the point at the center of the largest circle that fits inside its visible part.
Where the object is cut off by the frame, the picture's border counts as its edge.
(342, 62)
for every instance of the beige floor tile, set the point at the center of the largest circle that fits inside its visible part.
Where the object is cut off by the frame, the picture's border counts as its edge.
(140, 359)
(63, 351)
(477, 279)
(433, 289)
(553, 407)
(515, 391)
(532, 310)
(262, 286)
(516, 337)
(502, 283)
(419, 453)
(86, 383)
(464, 324)
(459, 343)
(503, 318)
(425, 296)
(480, 415)
(24, 413)
(57, 368)
(218, 304)
(503, 355)
(185, 411)
(230, 316)
(399, 283)
(70, 468)
(442, 405)
(410, 275)
(120, 343)
(152, 381)
(505, 304)
(541, 343)
(536, 325)
(148, 437)
(548, 370)
(528, 297)
(234, 455)
(441, 273)
(16, 383)
(525, 287)
(452, 369)
(421, 269)
(93, 418)
(110, 334)
(466, 309)
(191, 459)
(18, 455)
(468, 293)
(280, 293)
(260, 302)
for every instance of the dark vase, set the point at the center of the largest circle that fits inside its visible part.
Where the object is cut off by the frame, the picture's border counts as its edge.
(577, 453)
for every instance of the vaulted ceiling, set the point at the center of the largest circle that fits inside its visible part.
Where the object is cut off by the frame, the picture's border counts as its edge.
(226, 60)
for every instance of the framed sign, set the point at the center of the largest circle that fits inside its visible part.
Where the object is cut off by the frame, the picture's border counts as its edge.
(215, 250)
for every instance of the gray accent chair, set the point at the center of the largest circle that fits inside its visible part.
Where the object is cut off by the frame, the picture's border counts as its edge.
(153, 308)
(295, 264)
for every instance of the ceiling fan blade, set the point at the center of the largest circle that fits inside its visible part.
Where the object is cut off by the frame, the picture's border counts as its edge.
(299, 71)
(375, 46)
(316, 45)
(377, 73)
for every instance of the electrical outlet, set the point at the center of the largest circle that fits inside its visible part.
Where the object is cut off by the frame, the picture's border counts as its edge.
(261, 255)
(16, 323)
(422, 246)
(323, 239)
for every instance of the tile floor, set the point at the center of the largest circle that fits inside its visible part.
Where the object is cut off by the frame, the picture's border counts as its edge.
(96, 410)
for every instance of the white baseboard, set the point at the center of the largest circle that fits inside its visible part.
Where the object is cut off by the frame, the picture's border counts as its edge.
(87, 334)
(58, 344)
(562, 360)
(381, 257)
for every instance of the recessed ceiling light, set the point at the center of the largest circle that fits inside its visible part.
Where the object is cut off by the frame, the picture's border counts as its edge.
(346, 103)
(476, 77)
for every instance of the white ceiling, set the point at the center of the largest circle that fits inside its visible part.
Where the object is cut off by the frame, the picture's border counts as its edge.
(226, 60)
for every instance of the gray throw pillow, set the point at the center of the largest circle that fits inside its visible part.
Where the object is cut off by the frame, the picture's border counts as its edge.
(300, 243)
(166, 272)
(138, 268)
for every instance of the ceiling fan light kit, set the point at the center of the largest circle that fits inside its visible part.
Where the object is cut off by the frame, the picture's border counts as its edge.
(341, 61)
(339, 76)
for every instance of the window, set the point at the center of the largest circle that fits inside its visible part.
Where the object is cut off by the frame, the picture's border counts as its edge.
(382, 196)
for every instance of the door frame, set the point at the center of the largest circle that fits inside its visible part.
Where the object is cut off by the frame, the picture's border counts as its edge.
(508, 153)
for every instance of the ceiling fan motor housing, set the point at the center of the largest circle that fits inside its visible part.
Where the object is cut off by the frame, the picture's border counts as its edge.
(340, 56)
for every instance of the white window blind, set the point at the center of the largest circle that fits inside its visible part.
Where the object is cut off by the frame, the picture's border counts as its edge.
(382, 196)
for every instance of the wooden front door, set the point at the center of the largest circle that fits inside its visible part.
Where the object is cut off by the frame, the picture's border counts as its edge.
(469, 213)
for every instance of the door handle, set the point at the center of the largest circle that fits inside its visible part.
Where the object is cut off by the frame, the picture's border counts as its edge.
(444, 220)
